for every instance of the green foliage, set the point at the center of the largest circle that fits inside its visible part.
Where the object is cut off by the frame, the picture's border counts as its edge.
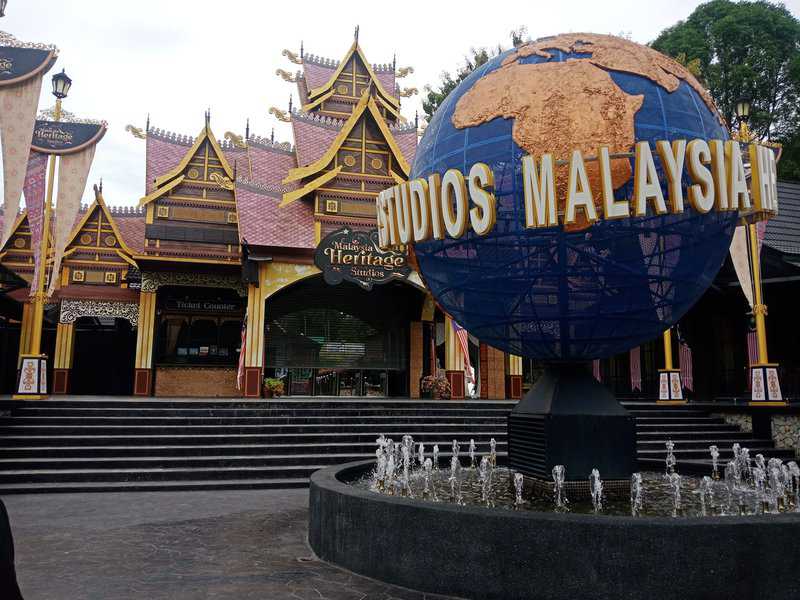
(477, 57)
(746, 49)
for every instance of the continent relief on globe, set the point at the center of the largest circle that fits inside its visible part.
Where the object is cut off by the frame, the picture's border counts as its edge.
(559, 107)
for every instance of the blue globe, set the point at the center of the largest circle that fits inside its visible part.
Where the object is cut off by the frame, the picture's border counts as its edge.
(559, 294)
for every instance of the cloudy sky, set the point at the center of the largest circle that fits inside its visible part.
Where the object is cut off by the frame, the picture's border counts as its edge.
(174, 58)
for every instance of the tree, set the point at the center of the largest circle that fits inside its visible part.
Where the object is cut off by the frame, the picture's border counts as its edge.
(478, 56)
(744, 49)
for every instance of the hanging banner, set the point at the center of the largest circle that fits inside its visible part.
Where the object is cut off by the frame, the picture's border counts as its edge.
(34, 202)
(22, 66)
(347, 255)
(73, 171)
(740, 257)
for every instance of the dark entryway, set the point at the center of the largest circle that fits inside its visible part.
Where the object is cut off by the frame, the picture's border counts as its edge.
(105, 349)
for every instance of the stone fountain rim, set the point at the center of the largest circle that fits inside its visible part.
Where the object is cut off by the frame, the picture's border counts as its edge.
(330, 478)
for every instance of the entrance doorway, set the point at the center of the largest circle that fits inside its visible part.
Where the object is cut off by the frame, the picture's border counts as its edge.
(341, 340)
(105, 349)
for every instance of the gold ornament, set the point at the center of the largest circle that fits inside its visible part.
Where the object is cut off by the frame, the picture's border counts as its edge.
(403, 72)
(407, 92)
(136, 132)
(281, 115)
(285, 75)
(292, 57)
(235, 139)
(221, 180)
(349, 161)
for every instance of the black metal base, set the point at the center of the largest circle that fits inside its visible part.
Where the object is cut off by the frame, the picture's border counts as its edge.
(569, 418)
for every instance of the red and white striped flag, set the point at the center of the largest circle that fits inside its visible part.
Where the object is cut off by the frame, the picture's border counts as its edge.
(685, 362)
(636, 369)
(752, 347)
(463, 341)
(240, 372)
(596, 369)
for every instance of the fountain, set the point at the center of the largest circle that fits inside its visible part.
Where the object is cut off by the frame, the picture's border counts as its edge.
(421, 455)
(519, 481)
(472, 454)
(559, 497)
(670, 460)
(715, 461)
(706, 495)
(596, 490)
(636, 494)
(455, 480)
(675, 484)
(436, 457)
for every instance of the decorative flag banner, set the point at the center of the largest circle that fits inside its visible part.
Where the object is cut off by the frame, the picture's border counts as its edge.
(635, 356)
(463, 341)
(34, 201)
(72, 174)
(240, 371)
(22, 66)
(596, 369)
(740, 257)
(685, 363)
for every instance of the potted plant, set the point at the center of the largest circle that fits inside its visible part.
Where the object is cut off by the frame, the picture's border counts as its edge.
(436, 386)
(273, 388)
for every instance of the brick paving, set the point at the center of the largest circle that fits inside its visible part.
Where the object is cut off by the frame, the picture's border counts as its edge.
(179, 545)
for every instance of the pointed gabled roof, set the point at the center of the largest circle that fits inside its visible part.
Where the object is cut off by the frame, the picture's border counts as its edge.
(365, 105)
(386, 98)
(17, 224)
(100, 205)
(172, 178)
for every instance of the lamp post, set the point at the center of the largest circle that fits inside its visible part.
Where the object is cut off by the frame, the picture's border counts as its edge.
(61, 85)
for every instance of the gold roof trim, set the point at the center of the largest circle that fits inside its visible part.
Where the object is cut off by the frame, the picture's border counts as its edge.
(20, 218)
(290, 197)
(366, 103)
(318, 101)
(205, 134)
(158, 192)
(355, 49)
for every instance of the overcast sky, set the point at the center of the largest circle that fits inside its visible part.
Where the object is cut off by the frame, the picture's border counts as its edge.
(174, 58)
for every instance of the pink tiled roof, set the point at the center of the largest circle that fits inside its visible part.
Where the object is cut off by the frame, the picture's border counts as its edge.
(262, 223)
(407, 141)
(164, 151)
(131, 228)
(387, 81)
(271, 161)
(313, 135)
(317, 75)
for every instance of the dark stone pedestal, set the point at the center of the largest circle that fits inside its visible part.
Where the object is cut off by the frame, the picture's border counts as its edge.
(569, 418)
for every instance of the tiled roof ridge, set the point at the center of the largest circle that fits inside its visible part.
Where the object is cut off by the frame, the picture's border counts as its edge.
(118, 210)
(275, 190)
(331, 63)
(403, 127)
(260, 142)
(318, 119)
(170, 136)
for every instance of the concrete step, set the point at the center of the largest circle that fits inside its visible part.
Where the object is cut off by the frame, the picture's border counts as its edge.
(151, 486)
(156, 421)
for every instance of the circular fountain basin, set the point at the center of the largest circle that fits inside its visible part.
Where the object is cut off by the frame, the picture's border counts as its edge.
(494, 553)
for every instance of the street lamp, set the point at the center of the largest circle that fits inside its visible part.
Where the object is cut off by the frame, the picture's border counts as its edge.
(61, 83)
(743, 109)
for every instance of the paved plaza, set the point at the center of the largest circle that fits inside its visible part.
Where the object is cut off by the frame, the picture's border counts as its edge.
(183, 545)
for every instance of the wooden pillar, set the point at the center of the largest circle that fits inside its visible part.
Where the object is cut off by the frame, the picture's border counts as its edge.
(415, 358)
(453, 361)
(143, 374)
(254, 343)
(483, 370)
(514, 377)
(62, 361)
(26, 327)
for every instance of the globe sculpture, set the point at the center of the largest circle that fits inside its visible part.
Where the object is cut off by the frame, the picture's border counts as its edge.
(579, 292)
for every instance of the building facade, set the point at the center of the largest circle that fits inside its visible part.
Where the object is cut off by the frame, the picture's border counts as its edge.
(254, 247)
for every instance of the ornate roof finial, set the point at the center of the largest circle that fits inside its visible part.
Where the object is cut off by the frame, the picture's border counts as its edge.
(247, 129)
(290, 104)
(208, 116)
(301, 50)
(147, 124)
(356, 34)
(272, 135)
(416, 119)
(394, 61)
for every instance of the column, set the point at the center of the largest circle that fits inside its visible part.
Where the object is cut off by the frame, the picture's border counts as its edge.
(254, 342)
(492, 373)
(415, 367)
(62, 361)
(514, 377)
(453, 361)
(143, 375)
(670, 390)
(25, 331)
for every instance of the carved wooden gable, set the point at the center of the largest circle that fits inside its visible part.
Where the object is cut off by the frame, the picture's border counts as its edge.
(17, 253)
(96, 254)
(192, 212)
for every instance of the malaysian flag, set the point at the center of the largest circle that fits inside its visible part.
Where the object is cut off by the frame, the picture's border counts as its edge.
(240, 372)
(685, 362)
(636, 369)
(752, 347)
(463, 341)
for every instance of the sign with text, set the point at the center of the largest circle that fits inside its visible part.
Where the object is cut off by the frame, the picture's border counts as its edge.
(65, 137)
(20, 64)
(347, 255)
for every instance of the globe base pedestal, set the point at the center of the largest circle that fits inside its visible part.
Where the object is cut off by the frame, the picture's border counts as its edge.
(569, 418)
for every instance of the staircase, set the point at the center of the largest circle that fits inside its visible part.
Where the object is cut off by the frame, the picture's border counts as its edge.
(126, 445)
(692, 431)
